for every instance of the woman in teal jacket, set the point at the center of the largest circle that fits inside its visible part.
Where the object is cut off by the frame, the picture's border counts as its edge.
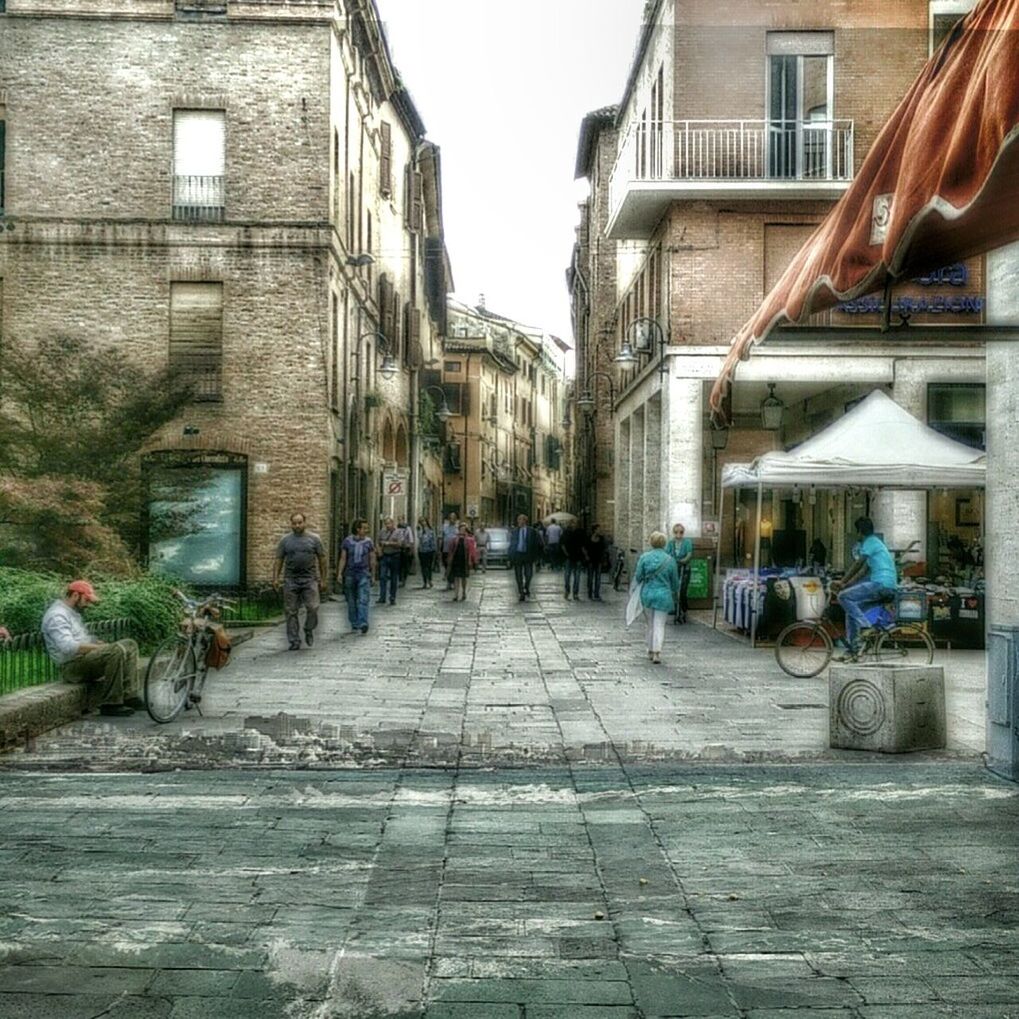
(680, 548)
(656, 570)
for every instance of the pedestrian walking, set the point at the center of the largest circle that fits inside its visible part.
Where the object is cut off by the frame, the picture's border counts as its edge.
(462, 556)
(390, 547)
(553, 536)
(450, 527)
(355, 571)
(525, 549)
(482, 540)
(407, 553)
(597, 557)
(426, 544)
(111, 670)
(657, 573)
(301, 559)
(573, 545)
(680, 548)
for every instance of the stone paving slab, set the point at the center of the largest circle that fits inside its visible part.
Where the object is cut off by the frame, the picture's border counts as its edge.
(656, 891)
(490, 682)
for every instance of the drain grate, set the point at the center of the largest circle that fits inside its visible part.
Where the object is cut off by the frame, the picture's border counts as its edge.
(803, 707)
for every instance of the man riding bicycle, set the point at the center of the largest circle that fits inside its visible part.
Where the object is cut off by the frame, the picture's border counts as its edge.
(871, 581)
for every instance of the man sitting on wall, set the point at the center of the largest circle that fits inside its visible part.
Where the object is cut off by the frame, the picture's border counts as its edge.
(113, 668)
(871, 581)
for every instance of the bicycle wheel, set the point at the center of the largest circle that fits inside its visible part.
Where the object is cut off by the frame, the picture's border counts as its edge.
(168, 679)
(906, 644)
(803, 649)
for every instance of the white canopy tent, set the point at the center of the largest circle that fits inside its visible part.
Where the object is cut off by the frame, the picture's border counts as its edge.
(877, 445)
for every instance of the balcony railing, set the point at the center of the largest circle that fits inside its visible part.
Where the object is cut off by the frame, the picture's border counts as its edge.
(740, 151)
(198, 199)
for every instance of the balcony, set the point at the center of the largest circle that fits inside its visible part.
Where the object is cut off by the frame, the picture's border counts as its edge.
(688, 160)
(198, 199)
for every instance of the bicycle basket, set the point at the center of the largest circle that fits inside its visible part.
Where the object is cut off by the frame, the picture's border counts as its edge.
(910, 606)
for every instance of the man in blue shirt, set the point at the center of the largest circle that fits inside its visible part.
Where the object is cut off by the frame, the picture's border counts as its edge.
(872, 580)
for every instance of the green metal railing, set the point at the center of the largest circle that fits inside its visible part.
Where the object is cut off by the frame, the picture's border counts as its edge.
(24, 661)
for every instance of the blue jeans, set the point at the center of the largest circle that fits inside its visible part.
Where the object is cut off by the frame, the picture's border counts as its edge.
(854, 600)
(357, 587)
(389, 576)
(594, 581)
(572, 573)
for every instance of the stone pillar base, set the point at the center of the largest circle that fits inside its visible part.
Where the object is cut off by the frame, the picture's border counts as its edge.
(892, 709)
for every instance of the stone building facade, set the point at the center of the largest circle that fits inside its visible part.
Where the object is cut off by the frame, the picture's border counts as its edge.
(244, 190)
(740, 126)
(505, 385)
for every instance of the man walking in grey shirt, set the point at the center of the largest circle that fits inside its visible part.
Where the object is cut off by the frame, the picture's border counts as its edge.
(298, 553)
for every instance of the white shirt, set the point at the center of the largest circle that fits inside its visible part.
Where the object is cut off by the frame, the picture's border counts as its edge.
(553, 534)
(63, 632)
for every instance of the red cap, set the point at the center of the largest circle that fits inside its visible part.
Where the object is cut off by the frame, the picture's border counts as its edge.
(84, 588)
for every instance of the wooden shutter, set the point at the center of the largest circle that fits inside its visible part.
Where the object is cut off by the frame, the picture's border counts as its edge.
(416, 199)
(196, 337)
(386, 160)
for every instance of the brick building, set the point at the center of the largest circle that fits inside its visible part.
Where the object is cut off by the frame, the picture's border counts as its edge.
(242, 189)
(504, 384)
(740, 125)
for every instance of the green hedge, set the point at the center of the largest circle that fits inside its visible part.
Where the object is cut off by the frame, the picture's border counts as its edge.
(148, 601)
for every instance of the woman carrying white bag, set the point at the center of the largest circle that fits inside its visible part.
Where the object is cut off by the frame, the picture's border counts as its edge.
(655, 589)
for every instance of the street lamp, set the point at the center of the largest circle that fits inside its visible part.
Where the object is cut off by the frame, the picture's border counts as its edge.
(443, 413)
(586, 401)
(389, 368)
(771, 410)
(643, 334)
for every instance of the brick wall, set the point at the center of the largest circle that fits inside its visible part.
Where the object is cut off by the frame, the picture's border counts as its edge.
(90, 114)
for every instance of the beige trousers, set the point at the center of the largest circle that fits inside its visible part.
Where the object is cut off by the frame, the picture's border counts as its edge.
(112, 670)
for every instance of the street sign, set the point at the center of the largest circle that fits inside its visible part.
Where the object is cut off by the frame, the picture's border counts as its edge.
(394, 486)
(472, 511)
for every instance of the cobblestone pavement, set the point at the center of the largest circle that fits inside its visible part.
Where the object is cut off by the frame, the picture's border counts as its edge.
(494, 811)
(492, 681)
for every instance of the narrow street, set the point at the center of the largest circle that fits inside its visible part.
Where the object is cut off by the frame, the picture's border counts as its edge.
(595, 843)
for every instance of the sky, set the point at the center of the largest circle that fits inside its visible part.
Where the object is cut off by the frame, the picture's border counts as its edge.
(502, 89)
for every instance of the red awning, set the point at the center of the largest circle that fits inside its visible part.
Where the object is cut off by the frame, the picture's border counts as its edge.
(940, 184)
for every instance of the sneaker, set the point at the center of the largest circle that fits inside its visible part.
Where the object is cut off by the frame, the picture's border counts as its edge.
(364, 629)
(309, 637)
(294, 647)
(847, 656)
(116, 710)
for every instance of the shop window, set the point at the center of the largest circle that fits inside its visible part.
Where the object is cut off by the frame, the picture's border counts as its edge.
(958, 410)
(196, 509)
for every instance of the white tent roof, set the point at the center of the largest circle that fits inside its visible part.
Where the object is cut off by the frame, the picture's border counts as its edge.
(876, 445)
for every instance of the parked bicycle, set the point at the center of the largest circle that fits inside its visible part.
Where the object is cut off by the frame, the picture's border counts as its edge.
(621, 569)
(805, 648)
(177, 670)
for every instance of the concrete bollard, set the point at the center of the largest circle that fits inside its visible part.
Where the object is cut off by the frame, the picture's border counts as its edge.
(892, 709)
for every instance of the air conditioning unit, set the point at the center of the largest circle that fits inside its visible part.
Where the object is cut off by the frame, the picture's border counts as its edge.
(892, 709)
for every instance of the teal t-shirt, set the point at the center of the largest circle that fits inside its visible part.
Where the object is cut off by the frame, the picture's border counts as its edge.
(879, 562)
(679, 550)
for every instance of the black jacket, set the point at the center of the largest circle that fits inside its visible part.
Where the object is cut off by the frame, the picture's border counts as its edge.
(533, 546)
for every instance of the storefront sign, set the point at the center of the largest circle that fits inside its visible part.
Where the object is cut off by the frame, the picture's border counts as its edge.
(957, 275)
(700, 579)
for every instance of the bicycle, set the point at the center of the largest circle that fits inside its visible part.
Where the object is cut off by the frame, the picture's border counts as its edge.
(803, 649)
(620, 571)
(177, 670)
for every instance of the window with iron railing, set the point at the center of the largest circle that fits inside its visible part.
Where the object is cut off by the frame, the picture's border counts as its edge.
(196, 338)
(199, 161)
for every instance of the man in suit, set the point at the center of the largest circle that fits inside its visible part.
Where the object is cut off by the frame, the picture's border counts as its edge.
(525, 549)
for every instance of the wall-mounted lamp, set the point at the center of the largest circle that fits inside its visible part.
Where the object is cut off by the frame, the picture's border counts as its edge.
(719, 437)
(443, 413)
(626, 358)
(360, 260)
(772, 409)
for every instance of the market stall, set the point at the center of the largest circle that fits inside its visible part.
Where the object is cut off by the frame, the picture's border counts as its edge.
(876, 446)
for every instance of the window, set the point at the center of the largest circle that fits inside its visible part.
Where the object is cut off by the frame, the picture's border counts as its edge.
(199, 162)
(196, 517)
(453, 367)
(958, 410)
(415, 198)
(196, 337)
(385, 160)
(3, 149)
(800, 85)
(334, 374)
(944, 16)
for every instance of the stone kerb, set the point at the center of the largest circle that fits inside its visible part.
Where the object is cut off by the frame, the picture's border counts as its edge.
(887, 708)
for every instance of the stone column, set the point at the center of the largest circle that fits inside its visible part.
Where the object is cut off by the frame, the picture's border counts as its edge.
(653, 520)
(902, 516)
(1001, 547)
(621, 509)
(682, 453)
(635, 518)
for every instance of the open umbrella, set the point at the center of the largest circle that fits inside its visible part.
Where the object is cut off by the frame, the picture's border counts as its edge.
(940, 184)
(558, 518)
